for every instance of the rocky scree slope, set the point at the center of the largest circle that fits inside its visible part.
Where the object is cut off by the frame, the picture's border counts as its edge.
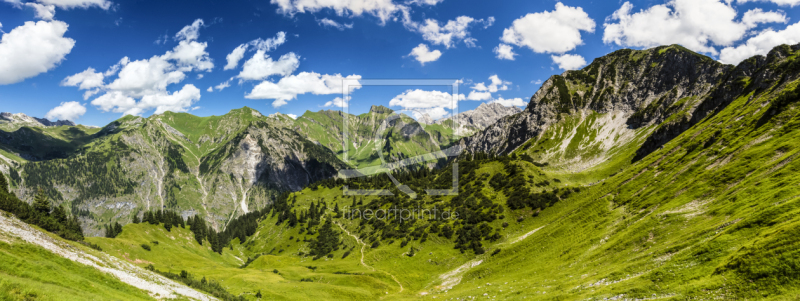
(649, 96)
(219, 167)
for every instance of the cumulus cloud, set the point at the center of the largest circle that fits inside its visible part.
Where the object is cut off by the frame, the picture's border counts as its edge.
(423, 99)
(475, 95)
(325, 22)
(696, 24)
(88, 79)
(224, 84)
(267, 45)
(261, 66)
(448, 34)
(755, 16)
(68, 4)
(31, 49)
(287, 88)
(190, 32)
(569, 61)
(495, 84)
(504, 52)
(435, 104)
(337, 102)
(142, 85)
(210, 89)
(513, 102)
(790, 3)
(381, 9)
(423, 55)
(761, 44)
(293, 116)
(235, 56)
(44, 12)
(424, 2)
(555, 31)
(66, 111)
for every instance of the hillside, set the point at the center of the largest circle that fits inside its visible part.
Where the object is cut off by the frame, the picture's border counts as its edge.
(218, 166)
(653, 174)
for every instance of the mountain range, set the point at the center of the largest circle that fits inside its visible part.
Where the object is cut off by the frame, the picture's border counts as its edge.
(648, 174)
(218, 166)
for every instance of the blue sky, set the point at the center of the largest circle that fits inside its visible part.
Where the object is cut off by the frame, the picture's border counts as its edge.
(294, 53)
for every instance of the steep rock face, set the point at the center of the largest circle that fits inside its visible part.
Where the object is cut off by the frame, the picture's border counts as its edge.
(638, 86)
(9, 121)
(218, 166)
(483, 116)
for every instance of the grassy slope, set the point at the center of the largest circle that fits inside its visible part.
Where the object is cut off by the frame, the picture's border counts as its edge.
(29, 272)
(177, 250)
(703, 217)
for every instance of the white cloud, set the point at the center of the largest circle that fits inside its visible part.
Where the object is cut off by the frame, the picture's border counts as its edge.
(261, 66)
(143, 77)
(191, 55)
(755, 16)
(448, 34)
(496, 84)
(422, 99)
(434, 113)
(210, 89)
(569, 61)
(267, 45)
(424, 2)
(479, 95)
(31, 49)
(696, 24)
(235, 56)
(224, 84)
(66, 111)
(555, 31)
(68, 4)
(336, 102)
(44, 12)
(423, 55)
(114, 69)
(504, 52)
(513, 102)
(382, 9)
(88, 79)
(293, 116)
(179, 101)
(325, 22)
(190, 32)
(791, 3)
(287, 88)
(537, 82)
(271, 43)
(148, 79)
(200, 76)
(761, 44)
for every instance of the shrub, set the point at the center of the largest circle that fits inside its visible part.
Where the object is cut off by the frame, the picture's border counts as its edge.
(146, 247)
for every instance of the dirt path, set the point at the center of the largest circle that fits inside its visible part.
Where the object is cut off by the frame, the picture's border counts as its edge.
(363, 246)
(453, 278)
(156, 285)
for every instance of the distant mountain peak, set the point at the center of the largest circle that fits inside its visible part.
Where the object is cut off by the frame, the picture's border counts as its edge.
(380, 110)
(24, 120)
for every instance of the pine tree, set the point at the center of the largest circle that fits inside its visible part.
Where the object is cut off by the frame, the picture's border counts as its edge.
(60, 215)
(3, 183)
(41, 203)
(327, 241)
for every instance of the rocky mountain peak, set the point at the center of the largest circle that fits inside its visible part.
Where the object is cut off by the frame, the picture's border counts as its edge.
(25, 120)
(380, 110)
(669, 86)
(483, 116)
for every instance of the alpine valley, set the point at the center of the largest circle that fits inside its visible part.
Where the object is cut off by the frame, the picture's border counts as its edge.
(648, 174)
